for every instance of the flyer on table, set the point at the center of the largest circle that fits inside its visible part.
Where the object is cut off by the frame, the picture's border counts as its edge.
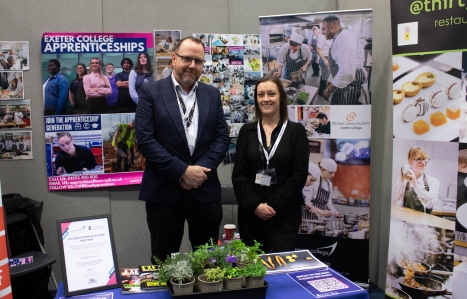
(90, 95)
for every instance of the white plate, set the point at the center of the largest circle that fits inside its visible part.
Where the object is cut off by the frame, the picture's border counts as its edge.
(405, 64)
(452, 59)
(461, 215)
(404, 130)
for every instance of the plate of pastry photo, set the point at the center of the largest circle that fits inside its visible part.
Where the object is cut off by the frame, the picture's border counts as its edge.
(427, 105)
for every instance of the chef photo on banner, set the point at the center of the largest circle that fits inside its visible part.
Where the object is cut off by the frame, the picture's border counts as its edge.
(14, 55)
(295, 56)
(424, 176)
(338, 57)
(337, 190)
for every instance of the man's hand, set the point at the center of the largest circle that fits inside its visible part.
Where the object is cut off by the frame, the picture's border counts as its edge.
(195, 175)
(184, 185)
(61, 171)
(328, 91)
(264, 212)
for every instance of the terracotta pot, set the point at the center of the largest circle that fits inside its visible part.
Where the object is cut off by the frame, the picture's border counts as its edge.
(233, 283)
(241, 266)
(184, 288)
(254, 282)
(208, 286)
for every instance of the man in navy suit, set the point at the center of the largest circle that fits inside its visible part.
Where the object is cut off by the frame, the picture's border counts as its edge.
(182, 133)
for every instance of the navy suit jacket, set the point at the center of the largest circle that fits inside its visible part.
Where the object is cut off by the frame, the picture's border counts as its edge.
(162, 141)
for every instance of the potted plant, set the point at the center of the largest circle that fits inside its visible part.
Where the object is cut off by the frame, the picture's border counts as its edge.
(245, 254)
(254, 274)
(178, 271)
(233, 278)
(211, 280)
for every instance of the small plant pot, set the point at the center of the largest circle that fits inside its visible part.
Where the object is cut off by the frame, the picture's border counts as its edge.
(233, 283)
(254, 282)
(208, 286)
(184, 288)
(241, 266)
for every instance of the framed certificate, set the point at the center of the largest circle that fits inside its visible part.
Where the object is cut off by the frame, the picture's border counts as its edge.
(88, 255)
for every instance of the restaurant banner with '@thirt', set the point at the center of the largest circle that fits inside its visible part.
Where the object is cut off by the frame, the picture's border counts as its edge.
(427, 253)
(90, 97)
(326, 73)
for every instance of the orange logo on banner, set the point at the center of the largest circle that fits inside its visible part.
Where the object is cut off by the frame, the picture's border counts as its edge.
(351, 116)
(5, 283)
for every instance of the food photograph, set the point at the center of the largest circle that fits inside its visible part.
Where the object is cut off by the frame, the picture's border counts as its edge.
(420, 260)
(291, 261)
(427, 97)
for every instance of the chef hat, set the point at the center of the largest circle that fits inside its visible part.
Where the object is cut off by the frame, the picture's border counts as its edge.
(328, 164)
(19, 74)
(313, 169)
(11, 76)
(295, 37)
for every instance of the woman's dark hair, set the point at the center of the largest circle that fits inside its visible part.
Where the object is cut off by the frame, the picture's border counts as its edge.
(169, 39)
(128, 60)
(282, 96)
(56, 62)
(85, 70)
(139, 66)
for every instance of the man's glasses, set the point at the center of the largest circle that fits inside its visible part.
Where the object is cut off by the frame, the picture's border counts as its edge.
(188, 60)
(66, 144)
(420, 160)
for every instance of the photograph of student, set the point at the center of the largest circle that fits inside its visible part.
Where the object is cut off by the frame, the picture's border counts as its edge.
(270, 212)
(111, 98)
(415, 189)
(318, 196)
(168, 70)
(123, 143)
(312, 40)
(18, 116)
(72, 157)
(124, 101)
(324, 126)
(165, 46)
(346, 57)
(55, 88)
(97, 87)
(142, 74)
(77, 95)
(293, 56)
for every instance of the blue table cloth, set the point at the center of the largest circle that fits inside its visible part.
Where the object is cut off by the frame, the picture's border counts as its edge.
(280, 286)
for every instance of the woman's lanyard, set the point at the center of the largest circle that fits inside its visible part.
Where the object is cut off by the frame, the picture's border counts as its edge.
(273, 150)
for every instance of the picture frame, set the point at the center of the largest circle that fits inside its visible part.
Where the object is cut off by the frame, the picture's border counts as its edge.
(87, 251)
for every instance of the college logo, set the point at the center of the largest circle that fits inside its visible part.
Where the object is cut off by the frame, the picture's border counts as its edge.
(326, 251)
(351, 116)
(407, 34)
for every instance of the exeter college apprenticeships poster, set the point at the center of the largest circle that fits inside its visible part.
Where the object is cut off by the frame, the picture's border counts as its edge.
(90, 83)
(429, 203)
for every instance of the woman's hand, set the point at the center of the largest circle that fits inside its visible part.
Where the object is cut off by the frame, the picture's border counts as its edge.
(264, 212)
(61, 171)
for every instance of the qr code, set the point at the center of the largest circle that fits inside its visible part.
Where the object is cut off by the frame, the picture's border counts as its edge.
(328, 284)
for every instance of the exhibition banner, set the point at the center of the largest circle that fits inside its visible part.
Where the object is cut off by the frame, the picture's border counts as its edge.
(5, 282)
(428, 225)
(326, 73)
(90, 95)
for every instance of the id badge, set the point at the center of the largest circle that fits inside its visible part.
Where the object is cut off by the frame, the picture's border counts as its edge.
(266, 177)
(191, 140)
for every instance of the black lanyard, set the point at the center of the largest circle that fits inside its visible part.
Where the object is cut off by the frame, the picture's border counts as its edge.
(187, 118)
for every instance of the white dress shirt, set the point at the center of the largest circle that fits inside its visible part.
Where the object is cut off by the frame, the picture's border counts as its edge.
(188, 100)
(348, 53)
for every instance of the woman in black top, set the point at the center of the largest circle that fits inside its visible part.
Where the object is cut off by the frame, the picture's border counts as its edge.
(76, 94)
(270, 214)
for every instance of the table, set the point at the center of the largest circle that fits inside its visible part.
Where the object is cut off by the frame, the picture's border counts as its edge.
(280, 286)
(412, 216)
